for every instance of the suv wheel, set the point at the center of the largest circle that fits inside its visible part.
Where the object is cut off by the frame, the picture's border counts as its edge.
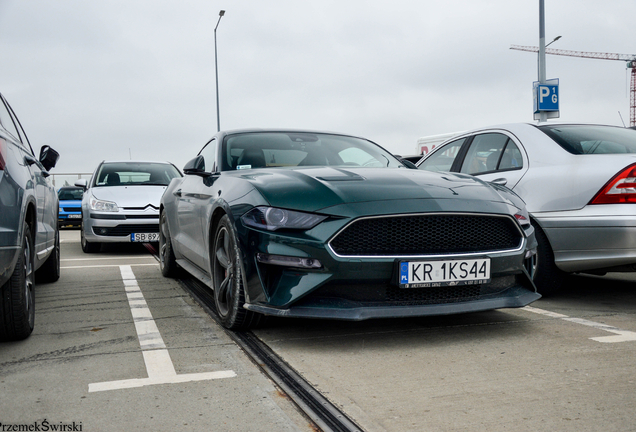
(17, 299)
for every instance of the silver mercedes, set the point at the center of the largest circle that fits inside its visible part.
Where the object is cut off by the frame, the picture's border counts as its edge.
(578, 182)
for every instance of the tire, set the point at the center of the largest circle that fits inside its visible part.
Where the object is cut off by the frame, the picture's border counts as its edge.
(227, 278)
(50, 270)
(88, 247)
(18, 295)
(167, 260)
(548, 278)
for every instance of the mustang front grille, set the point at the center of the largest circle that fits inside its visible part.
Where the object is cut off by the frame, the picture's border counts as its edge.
(411, 235)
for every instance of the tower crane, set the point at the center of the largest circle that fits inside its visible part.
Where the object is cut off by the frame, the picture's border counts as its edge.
(629, 58)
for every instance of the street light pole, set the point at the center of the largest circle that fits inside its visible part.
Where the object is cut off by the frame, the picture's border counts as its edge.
(543, 117)
(216, 67)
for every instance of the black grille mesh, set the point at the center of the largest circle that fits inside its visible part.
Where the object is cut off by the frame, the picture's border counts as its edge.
(121, 230)
(387, 294)
(426, 234)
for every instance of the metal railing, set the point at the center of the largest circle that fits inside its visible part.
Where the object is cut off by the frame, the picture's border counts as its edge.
(67, 179)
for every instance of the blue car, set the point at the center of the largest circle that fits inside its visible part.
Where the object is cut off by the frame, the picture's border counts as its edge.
(70, 198)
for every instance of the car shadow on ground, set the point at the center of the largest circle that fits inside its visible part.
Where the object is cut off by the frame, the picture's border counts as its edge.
(614, 292)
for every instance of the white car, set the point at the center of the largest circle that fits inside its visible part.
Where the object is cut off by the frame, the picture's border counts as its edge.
(121, 202)
(578, 182)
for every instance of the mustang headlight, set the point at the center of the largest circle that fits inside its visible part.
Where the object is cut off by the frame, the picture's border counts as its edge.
(272, 218)
(106, 206)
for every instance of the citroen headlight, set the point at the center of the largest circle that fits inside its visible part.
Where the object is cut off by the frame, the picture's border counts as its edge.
(272, 218)
(105, 206)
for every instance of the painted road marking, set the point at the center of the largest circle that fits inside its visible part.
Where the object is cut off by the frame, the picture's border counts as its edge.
(159, 365)
(107, 265)
(621, 335)
(105, 258)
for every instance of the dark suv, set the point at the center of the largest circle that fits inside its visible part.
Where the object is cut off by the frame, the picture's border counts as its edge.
(29, 235)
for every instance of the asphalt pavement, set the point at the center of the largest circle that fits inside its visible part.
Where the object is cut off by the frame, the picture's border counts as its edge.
(119, 347)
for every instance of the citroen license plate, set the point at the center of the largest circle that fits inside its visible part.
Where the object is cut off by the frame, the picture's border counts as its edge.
(144, 237)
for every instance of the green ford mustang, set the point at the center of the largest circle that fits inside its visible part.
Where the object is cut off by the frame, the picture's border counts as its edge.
(321, 225)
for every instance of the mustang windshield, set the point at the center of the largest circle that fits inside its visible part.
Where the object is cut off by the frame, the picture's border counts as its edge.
(289, 149)
(135, 173)
(583, 139)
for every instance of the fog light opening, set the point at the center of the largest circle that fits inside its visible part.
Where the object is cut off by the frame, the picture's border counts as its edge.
(288, 261)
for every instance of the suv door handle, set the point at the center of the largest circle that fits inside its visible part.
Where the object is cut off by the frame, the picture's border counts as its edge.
(177, 193)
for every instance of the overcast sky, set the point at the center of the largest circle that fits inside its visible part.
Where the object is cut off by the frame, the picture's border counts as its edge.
(111, 79)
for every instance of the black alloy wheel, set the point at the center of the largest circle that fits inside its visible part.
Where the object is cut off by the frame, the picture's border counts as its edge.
(227, 278)
(167, 260)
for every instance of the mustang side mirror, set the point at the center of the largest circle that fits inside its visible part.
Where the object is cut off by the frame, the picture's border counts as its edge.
(196, 167)
(48, 157)
(407, 163)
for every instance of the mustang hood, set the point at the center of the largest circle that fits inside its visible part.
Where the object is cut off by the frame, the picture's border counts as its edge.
(315, 189)
(130, 196)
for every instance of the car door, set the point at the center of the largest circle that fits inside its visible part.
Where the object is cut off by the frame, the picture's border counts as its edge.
(495, 157)
(194, 201)
(44, 235)
(492, 156)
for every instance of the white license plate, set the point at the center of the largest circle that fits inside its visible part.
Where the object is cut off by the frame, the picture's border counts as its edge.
(424, 274)
(74, 216)
(144, 237)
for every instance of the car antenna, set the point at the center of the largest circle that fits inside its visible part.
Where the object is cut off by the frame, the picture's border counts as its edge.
(619, 114)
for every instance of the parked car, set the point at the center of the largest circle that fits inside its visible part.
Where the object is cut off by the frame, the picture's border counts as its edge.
(29, 236)
(322, 225)
(121, 202)
(578, 182)
(70, 212)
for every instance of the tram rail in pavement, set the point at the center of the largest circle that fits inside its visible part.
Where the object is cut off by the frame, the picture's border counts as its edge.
(117, 346)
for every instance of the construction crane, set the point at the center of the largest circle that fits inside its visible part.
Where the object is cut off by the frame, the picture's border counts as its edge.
(629, 58)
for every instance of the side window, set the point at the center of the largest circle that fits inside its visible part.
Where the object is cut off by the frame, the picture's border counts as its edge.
(357, 156)
(511, 158)
(484, 153)
(7, 121)
(209, 156)
(443, 158)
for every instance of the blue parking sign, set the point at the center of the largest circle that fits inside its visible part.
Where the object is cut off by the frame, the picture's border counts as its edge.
(546, 96)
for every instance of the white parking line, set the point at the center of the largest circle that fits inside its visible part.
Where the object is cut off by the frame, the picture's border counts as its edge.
(621, 335)
(104, 258)
(156, 356)
(107, 265)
